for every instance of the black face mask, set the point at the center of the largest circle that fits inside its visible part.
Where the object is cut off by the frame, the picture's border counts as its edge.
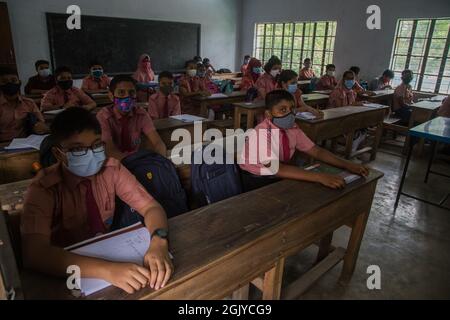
(66, 84)
(10, 89)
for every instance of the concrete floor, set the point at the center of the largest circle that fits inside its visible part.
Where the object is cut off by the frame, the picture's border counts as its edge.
(412, 247)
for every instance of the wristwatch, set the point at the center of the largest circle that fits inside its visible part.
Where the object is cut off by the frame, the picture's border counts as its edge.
(161, 233)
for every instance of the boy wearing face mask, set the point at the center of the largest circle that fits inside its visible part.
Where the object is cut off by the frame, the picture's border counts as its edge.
(64, 95)
(97, 81)
(43, 81)
(164, 103)
(269, 80)
(123, 123)
(283, 138)
(245, 65)
(328, 80)
(307, 72)
(344, 95)
(288, 81)
(404, 98)
(74, 200)
(191, 86)
(252, 74)
(18, 115)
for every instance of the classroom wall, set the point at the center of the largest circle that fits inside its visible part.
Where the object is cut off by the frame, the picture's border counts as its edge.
(220, 20)
(355, 44)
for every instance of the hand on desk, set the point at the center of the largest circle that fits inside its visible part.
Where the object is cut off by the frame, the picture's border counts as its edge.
(158, 261)
(331, 181)
(128, 276)
(357, 169)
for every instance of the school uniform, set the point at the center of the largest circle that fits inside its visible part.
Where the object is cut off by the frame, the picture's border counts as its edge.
(91, 83)
(161, 106)
(191, 84)
(342, 97)
(13, 118)
(306, 74)
(70, 209)
(403, 98)
(58, 97)
(244, 68)
(265, 84)
(38, 83)
(326, 83)
(444, 110)
(358, 88)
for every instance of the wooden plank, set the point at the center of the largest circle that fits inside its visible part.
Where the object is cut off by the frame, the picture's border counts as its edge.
(241, 293)
(17, 165)
(273, 280)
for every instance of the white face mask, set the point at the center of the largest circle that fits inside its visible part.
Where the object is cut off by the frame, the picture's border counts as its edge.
(191, 72)
(44, 73)
(275, 73)
(331, 73)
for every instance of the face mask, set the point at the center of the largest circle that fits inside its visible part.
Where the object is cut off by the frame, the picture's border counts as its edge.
(44, 73)
(331, 73)
(258, 70)
(349, 84)
(191, 72)
(286, 122)
(166, 90)
(275, 73)
(201, 74)
(97, 73)
(86, 166)
(292, 88)
(10, 89)
(125, 104)
(65, 84)
(146, 64)
(246, 61)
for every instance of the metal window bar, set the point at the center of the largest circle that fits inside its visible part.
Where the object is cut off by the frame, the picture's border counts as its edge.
(425, 57)
(292, 44)
(411, 44)
(443, 63)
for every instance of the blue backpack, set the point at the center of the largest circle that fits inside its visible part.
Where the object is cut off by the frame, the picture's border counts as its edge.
(213, 182)
(159, 177)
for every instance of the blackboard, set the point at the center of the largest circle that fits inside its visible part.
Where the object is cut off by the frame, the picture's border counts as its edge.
(118, 42)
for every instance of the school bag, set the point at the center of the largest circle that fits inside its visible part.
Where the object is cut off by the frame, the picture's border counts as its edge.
(226, 87)
(213, 182)
(159, 177)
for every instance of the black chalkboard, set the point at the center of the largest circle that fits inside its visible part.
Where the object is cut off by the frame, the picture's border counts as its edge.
(118, 42)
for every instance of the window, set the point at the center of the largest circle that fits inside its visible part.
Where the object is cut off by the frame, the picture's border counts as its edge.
(422, 45)
(294, 42)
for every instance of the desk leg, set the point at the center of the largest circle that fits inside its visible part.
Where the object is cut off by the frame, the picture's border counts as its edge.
(352, 251)
(349, 144)
(377, 140)
(250, 119)
(405, 170)
(237, 117)
(273, 280)
(204, 109)
(430, 162)
(410, 125)
(324, 247)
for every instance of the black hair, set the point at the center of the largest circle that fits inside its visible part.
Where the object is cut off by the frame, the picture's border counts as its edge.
(276, 96)
(287, 75)
(121, 78)
(273, 61)
(307, 59)
(206, 60)
(62, 69)
(190, 62)
(95, 63)
(197, 58)
(355, 70)
(40, 62)
(330, 66)
(388, 73)
(165, 74)
(73, 121)
(348, 72)
(6, 71)
(247, 56)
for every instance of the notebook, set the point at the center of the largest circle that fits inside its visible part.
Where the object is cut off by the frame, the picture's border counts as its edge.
(373, 105)
(323, 168)
(54, 112)
(305, 116)
(187, 118)
(33, 141)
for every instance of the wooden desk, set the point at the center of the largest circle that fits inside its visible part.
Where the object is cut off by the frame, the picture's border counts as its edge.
(316, 99)
(382, 97)
(166, 127)
(226, 76)
(345, 120)
(204, 102)
(16, 165)
(223, 247)
(304, 82)
(12, 195)
(101, 99)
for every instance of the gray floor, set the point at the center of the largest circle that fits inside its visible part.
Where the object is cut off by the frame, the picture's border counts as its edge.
(412, 247)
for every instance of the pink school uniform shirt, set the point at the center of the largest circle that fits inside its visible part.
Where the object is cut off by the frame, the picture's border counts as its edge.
(57, 97)
(265, 84)
(90, 83)
(403, 96)
(342, 97)
(327, 83)
(306, 74)
(161, 106)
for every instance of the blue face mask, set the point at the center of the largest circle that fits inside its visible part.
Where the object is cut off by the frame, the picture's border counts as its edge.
(97, 73)
(349, 84)
(286, 122)
(257, 70)
(292, 88)
(87, 165)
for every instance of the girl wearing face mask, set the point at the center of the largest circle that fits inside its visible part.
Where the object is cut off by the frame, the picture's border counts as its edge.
(289, 81)
(344, 95)
(254, 71)
(404, 98)
(269, 80)
(190, 86)
(328, 80)
(245, 64)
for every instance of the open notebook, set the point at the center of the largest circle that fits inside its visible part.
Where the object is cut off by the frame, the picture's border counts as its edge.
(31, 142)
(323, 168)
(187, 118)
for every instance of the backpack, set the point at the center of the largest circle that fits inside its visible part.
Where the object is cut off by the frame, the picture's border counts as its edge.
(226, 87)
(213, 182)
(159, 177)
(46, 157)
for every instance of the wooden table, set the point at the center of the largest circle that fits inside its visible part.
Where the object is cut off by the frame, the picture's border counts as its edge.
(223, 247)
(345, 120)
(16, 165)
(12, 195)
(230, 98)
(316, 99)
(382, 96)
(166, 127)
(226, 76)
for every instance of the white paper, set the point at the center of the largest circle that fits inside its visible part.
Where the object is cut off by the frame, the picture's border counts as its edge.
(306, 116)
(58, 111)
(187, 118)
(373, 105)
(382, 92)
(218, 95)
(33, 141)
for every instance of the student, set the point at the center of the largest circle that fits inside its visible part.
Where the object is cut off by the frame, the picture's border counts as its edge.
(144, 72)
(65, 95)
(245, 65)
(344, 94)
(328, 80)
(279, 114)
(74, 200)
(269, 80)
(198, 59)
(289, 81)
(164, 103)
(307, 73)
(191, 86)
(383, 82)
(43, 81)
(97, 80)
(444, 110)
(209, 68)
(205, 79)
(251, 76)
(123, 123)
(19, 116)
(404, 98)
